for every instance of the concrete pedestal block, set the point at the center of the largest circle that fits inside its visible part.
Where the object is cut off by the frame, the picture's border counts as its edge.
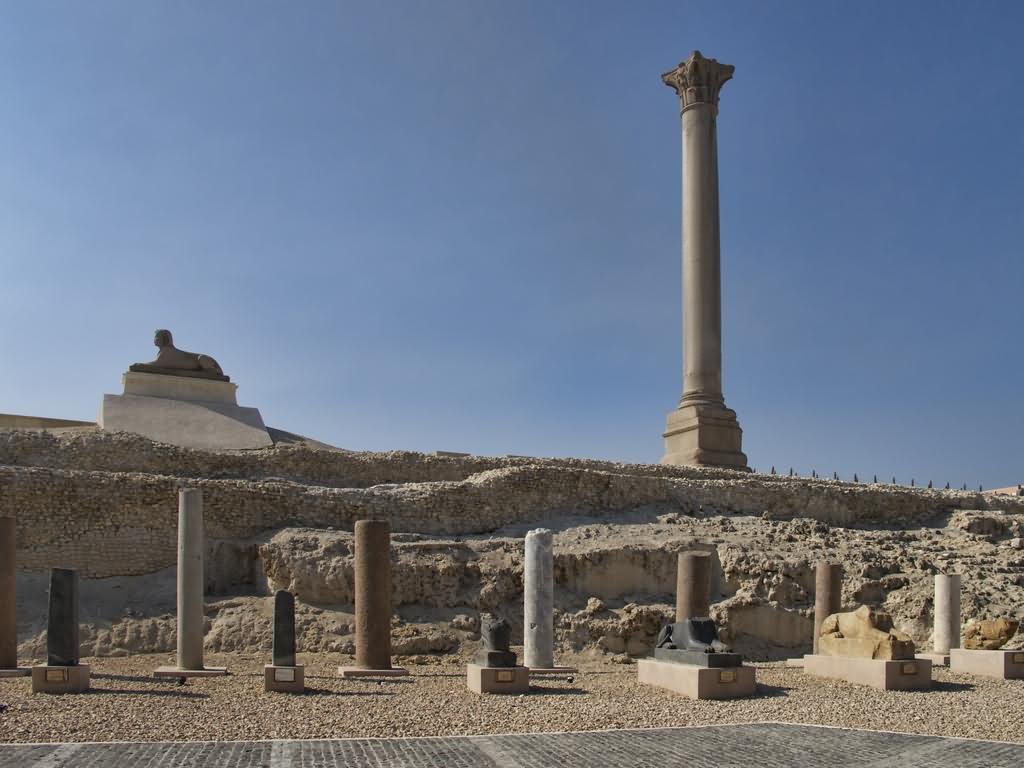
(52, 679)
(1002, 665)
(284, 679)
(180, 672)
(704, 435)
(898, 675)
(698, 682)
(367, 672)
(497, 679)
(937, 659)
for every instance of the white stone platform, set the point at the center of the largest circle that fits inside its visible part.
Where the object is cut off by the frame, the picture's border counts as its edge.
(698, 682)
(187, 411)
(899, 675)
(1002, 665)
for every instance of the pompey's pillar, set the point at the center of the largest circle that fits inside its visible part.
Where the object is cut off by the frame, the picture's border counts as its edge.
(701, 431)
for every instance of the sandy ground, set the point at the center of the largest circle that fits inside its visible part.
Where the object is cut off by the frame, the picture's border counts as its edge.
(126, 703)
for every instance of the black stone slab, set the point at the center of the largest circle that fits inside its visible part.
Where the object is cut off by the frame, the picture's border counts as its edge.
(698, 658)
(62, 626)
(284, 628)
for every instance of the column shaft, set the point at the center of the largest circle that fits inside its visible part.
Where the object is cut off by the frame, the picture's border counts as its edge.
(373, 594)
(828, 594)
(191, 614)
(693, 585)
(539, 600)
(62, 623)
(284, 629)
(702, 270)
(946, 621)
(8, 595)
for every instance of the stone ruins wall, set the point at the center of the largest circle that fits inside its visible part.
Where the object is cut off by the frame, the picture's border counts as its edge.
(106, 503)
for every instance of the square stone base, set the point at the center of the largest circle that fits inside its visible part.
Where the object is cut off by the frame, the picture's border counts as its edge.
(16, 672)
(178, 672)
(364, 672)
(899, 675)
(47, 679)
(553, 671)
(937, 659)
(497, 679)
(1002, 665)
(704, 436)
(698, 682)
(284, 679)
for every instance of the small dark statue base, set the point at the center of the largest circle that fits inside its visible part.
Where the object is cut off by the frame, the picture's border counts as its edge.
(502, 659)
(694, 641)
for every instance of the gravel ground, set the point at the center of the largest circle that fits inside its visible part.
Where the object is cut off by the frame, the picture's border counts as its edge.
(126, 704)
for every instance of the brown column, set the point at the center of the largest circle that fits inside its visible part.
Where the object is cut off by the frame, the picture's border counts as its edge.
(373, 594)
(693, 585)
(8, 612)
(828, 594)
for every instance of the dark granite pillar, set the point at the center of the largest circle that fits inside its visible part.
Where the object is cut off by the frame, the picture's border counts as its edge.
(62, 627)
(693, 585)
(8, 602)
(828, 594)
(284, 628)
(373, 594)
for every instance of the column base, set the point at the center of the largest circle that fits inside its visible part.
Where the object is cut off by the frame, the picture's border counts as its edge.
(367, 672)
(555, 670)
(50, 679)
(883, 674)
(179, 672)
(703, 435)
(16, 672)
(284, 679)
(937, 659)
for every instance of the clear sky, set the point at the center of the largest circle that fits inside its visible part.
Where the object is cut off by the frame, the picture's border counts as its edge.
(456, 225)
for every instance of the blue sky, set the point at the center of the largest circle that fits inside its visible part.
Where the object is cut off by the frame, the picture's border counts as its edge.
(455, 225)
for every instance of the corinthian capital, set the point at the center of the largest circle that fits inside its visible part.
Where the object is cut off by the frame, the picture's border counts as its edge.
(698, 80)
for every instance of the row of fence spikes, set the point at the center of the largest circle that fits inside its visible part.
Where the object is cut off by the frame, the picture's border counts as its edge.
(856, 479)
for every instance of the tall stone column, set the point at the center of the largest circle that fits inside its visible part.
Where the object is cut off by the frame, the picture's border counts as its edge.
(190, 579)
(693, 585)
(539, 600)
(701, 431)
(828, 594)
(8, 596)
(946, 622)
(62, 645)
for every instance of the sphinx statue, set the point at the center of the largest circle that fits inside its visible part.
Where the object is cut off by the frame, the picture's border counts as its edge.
(694, 641)
(496, 634)
(865, 633)
(989, 634)
(177, 362)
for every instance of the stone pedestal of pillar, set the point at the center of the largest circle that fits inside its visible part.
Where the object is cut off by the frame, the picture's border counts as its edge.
(828, 594)
(481, 679)
(1000, 664)
(693, 585)
(373, 602)
(191, 611)
(47, 678)
(290, 679)
(701, 431)
(284, 675)
(885, 675)
(8, 601)
(696, 682)
(946, 619)
(61, 673)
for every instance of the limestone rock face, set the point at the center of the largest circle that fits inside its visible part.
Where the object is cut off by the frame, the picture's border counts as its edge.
(864, 633)
(989, 635)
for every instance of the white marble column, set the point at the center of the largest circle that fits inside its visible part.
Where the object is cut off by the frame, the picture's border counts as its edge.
(701, 431)
(946, 621)
(539, 597)
(190, 579)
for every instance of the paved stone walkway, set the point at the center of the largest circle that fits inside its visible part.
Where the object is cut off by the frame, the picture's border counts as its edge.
(764, 745)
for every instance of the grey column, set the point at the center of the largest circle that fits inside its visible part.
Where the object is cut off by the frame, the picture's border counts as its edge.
(946, 621)
(539, 600)
(373, 594)
(284, 628)
(828, 594)
(62, 624)
(8, 595)
(191, 615)
(693, 585)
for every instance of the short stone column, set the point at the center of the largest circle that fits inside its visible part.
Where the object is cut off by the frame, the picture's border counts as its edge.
(693, 585)
(8, 600)
(539, 600)
(191, 583)
(946, 621)
(284, 675)
(828, 594)
(62, 673)
(372, 601)
(701, 431)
